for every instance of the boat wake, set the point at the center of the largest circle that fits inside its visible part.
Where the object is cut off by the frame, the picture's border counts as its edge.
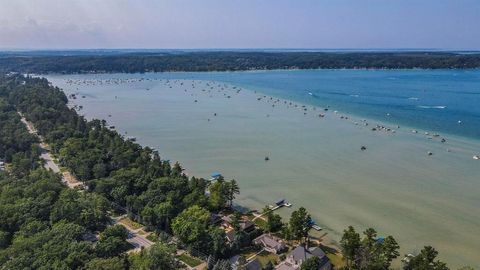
(432, 107)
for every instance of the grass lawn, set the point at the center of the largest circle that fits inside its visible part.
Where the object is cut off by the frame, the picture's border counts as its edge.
(130, 223)
(189, 260)
(260, 222)
(336, 260)
(249, 251)
(266, 257)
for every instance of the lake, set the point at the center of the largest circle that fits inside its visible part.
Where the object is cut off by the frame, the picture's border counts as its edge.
(416, 179)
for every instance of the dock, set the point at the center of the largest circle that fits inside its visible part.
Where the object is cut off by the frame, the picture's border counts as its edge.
(278, 204)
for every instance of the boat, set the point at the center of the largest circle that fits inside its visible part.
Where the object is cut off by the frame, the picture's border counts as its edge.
(287, 204)
(315, 226)
(280, 202)
(476, 157)
(216, 175)
(267, 158)
(363, 148)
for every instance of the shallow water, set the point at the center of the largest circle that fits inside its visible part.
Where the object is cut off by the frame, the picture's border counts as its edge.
(315, 162)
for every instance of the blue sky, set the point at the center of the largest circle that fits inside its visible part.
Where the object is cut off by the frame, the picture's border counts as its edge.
(356, 24)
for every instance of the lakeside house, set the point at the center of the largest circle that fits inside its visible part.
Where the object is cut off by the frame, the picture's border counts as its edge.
(245, 224)
(270, 243)
(250, 265)
(226, 223)
(298, 256)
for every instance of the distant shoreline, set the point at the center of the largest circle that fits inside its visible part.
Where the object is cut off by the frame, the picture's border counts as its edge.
(129, 62)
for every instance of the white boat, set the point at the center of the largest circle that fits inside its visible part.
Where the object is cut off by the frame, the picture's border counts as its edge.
(316, 227)
(476, 157)
(287, 204)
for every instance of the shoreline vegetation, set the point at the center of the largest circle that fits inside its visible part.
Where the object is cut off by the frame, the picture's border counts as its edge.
(45, 223)
(140, 62)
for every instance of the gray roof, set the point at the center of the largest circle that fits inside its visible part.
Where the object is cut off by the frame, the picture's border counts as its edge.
(301, 254)
(245, 224)
(269, 241)
(254, 265)
(284, 266)
(230, 235)
(251, 265)
(316, 251)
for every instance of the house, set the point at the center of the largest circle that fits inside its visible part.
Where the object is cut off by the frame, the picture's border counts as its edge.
(245, 225)
(215, 219)
(270, 243)
(250, 265)
(230, 235)
(297, 256)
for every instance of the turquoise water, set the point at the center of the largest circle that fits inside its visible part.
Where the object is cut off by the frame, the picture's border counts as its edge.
(429, 99)
(316, 162)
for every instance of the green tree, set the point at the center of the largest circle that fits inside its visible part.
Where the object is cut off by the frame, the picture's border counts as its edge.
(218, 192)
(177, 170)
(115, 263)
(350, 244)
(389, 251)
(300, 224)
(161, 257)
(312, 263)
(191, 225)
(4, 239)
(367, 255)
(115, 231)
(218, 244)
(274, 222)
(158, 257)
(426, 261)
(111, 246)
(231, 189)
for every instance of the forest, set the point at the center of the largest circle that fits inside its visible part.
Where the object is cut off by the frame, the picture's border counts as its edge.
(41, 215)
(135, 62)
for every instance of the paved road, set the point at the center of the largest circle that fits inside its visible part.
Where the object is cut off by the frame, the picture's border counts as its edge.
(49, 163)
(138, 241)
(134, 237)
(67, 178)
